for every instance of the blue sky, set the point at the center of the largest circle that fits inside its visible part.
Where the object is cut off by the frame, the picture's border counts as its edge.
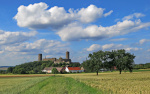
(52, 27)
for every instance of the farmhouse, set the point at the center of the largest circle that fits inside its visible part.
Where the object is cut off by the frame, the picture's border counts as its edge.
(73, 69)
(62, 69)
(49, 69)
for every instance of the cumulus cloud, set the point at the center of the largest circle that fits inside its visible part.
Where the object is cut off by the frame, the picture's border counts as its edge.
(142, 41)
(75, 31)
(38, 16)
(39, 46)
(96, 47)
(91, 13)
(7, 37)
(134, 15)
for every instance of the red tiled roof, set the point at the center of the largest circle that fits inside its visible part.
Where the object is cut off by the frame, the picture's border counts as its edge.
(74, 68)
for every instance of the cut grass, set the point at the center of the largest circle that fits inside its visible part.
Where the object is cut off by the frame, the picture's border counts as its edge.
(61, 85)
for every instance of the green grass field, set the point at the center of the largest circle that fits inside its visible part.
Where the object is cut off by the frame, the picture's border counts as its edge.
(78, 83)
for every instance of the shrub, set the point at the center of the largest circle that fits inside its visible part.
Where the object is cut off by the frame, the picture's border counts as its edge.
(54, 71)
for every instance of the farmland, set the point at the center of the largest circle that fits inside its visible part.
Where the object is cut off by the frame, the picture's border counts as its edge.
(126, 83)
(39, 84)
(77, 83)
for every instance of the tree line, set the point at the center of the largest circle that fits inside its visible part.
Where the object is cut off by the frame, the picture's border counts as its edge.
(36, 67)
(121, 59)
(142, 66)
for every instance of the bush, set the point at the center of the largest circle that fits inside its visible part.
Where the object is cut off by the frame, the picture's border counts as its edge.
(54, 71)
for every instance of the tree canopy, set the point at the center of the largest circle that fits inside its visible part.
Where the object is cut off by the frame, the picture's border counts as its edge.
(108, 59)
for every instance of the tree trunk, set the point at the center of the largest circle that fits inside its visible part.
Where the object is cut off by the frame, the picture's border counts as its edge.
(97, 72)
(120, 71)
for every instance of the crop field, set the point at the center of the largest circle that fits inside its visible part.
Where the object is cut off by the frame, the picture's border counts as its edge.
(40, 84)
(78, 83)
(126, 83)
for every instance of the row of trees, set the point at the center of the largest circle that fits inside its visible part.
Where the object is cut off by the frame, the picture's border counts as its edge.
(107, 59)
(142, 66)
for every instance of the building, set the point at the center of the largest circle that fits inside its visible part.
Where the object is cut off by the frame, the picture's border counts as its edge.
(55, 60)
(49, 69)
(73, 69)
(62, 69)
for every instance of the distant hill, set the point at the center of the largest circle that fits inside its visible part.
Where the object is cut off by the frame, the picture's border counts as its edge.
(4, 67)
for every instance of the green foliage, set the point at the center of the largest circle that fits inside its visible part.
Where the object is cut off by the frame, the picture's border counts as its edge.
(95, 62)
(142, 66)
(119, 58)
(3, 72)
(75, 65)
(10, 69)
(123, 60)
(54, 71)
(30, 68)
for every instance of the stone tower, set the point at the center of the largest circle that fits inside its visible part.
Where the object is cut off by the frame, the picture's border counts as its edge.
(67, 55)
(39, 57)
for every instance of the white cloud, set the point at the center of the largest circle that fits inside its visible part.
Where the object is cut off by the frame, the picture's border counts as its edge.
(120, 39)
(38, 16)
(75, 31)
(144, 40)
(91, 13)
(39, 46)
(107, 14)
(134, 15)
(148, 50)
(7, 37)
(96, 47)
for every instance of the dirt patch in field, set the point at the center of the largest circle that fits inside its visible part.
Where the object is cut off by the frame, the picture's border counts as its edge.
(4, 76)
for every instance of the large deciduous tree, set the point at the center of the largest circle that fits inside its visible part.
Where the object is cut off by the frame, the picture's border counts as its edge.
(123, 60)
(96, 60)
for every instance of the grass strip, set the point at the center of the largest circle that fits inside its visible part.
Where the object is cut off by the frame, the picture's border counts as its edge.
(61, 85)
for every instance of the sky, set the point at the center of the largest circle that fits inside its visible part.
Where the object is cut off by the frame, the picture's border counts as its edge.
(52, 27)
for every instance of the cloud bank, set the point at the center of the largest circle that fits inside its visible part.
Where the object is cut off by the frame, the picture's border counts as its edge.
(96, 47)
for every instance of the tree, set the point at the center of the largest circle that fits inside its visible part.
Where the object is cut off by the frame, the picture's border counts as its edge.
(123, 60)
(130, 61)
(87, 66)
(108, 60)
(96, 61)
(10, 69)
(54, 71)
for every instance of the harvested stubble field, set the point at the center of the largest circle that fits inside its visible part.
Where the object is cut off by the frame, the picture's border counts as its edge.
(125, 83)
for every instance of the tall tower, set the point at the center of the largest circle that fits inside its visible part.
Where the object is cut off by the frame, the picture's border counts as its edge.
(67, 55)
(39, 57)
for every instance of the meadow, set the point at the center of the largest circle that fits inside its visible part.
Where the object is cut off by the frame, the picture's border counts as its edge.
(125, 83)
